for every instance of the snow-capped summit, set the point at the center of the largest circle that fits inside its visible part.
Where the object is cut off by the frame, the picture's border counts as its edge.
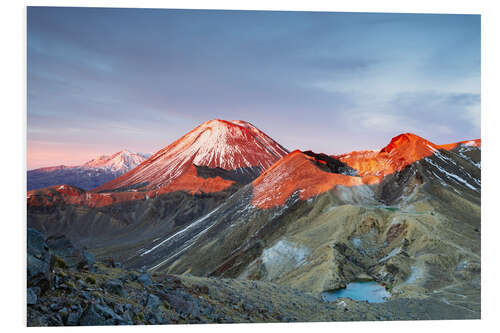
(229, 145)
(121, 161)
(224, 144)
(87, 175)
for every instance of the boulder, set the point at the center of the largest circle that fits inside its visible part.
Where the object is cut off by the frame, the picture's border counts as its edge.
(31, 296)
(183, 303)
(73, 257)
(61, 246)
(153, 302)
(37, 246)
(107, 312)
(38, 261)
(91, 317)
(115, 286)
(87, 259)
(145, 279)
(74, 315)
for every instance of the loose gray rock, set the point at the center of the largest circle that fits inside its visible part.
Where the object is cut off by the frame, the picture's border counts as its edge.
(87, 259)
(90, 317)
(153, 302)
(31, 296)
(38, 273)
(145, 279)
(127, 318)
(74, 315)
(36, 243)
(115, 287)
(107, 312)
(160, 317)
(183, 303)
(73, 257)
(38, 261)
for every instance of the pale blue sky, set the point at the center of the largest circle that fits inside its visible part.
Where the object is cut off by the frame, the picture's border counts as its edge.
(101, 80)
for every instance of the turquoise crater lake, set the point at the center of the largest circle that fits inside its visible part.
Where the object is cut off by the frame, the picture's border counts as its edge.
(359, 291)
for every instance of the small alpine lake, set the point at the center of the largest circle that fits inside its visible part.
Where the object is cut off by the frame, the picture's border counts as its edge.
(370, 291)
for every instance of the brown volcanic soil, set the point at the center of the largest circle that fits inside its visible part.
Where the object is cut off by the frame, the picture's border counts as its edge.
(85, 298)
(417, 232)
(69, 288)
(120, 228)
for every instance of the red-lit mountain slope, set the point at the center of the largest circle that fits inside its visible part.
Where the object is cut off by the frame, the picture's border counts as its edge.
(295, 172)
(469, 143)
(311, 222)
(69, 195)
(232, 146)
(301, 173)
(403, 150)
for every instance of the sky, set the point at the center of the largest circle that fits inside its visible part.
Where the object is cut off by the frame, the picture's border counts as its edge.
(100, 80)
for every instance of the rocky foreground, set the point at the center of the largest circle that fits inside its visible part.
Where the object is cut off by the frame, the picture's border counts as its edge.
(67, 287)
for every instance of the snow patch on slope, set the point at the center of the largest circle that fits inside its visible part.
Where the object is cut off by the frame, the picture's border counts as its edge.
(454, 177)
(282, 257)
(216, 144)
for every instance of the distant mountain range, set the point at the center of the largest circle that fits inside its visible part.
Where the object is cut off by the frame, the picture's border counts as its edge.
(88, 175)
(226, 200)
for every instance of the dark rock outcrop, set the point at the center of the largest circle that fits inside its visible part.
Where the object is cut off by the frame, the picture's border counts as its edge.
(330, 164)
(145, 279)
(74, 258)
(38, 261)
(31, 296)
(91, 317)
(115, 286)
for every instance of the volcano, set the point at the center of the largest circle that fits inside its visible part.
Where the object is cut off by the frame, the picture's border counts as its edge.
(217, 156)
(227, 148)
(407, 215)
(164, 193)
(226, 200)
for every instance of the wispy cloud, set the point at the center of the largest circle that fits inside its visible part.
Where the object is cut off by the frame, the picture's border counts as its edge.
(103, 78)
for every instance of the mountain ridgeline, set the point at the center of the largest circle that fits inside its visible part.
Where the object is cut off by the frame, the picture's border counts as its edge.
(88, 175)
(227, 201)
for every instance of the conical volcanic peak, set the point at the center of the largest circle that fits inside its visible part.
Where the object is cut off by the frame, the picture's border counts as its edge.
(215, 144)
(272, 146)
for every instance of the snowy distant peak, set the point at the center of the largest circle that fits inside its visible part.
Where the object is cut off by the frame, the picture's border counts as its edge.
(229, 145)
(121, 161)
(88, 175)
